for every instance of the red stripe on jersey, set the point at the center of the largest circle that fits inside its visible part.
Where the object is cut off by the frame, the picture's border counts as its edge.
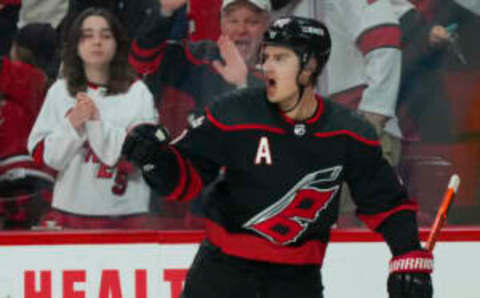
(39, 161)
(147, 53)
(191, 57)
(348, 133)
(260, 249)
(145, 67)
(383, 36)
(195, 61)
(238, 127)
(318, 112)
(374, 220)
(194, 186)
(179, 189)
(349, 98)
(314, 118)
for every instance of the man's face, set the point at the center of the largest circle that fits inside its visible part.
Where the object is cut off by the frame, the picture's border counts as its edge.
(245, 26)
(281, 66)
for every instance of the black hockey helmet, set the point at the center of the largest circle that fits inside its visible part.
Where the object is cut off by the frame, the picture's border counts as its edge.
(305, 36)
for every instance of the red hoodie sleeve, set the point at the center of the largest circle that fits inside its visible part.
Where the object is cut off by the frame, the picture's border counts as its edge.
(23, 84)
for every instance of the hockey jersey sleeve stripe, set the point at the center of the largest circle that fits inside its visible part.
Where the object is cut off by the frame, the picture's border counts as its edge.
(38, 154)
(194, 185)
(238, 127)
(145, 67)
(146, 54)
(382, 36)
(347, 133)
(373, 221)
(259, 249)
(182, 179)
(192, 58)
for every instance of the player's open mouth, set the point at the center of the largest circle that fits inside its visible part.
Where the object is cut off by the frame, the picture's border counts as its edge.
(271, 82)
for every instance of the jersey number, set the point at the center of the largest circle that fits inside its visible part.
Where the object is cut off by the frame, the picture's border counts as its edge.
(120, 181)
(286, 220)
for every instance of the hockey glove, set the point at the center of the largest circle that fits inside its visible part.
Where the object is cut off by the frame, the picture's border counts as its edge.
(410, 275)
(145, 145)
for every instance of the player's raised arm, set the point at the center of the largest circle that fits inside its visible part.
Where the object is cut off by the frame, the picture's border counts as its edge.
(180, 168)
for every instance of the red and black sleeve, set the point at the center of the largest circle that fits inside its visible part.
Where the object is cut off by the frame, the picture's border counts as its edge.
(382, 201)
(192, 161)
(148, 46)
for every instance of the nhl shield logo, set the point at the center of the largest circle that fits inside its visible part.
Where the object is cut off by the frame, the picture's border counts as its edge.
(299, 129)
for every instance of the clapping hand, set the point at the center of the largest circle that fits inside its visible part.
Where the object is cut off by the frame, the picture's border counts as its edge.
(234, 70)
(83, 111)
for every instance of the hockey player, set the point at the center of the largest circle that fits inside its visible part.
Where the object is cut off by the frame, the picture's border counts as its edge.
(286, 153)
(83, 123)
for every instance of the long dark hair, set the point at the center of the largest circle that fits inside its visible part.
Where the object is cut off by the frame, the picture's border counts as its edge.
(121, 73)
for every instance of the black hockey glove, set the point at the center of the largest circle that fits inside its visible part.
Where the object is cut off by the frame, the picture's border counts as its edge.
(145, 145)
(410, 275)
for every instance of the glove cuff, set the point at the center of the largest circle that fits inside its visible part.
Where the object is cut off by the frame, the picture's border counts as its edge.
(417, 261)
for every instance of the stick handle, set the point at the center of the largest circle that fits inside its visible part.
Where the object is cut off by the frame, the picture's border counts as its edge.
(442, 211)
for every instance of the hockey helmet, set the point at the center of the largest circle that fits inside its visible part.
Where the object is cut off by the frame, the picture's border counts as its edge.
(305, 36)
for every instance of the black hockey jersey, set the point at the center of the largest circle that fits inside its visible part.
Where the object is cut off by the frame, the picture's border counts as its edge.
(282, 178)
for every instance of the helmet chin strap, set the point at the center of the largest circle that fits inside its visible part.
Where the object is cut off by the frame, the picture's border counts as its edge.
(301, 88)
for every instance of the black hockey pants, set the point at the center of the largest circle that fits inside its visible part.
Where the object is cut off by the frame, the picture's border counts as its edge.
(214, 274)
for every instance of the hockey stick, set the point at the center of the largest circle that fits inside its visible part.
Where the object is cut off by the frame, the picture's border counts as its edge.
(442, 211)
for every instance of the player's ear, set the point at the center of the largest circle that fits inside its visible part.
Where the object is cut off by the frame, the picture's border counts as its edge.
(306, 74)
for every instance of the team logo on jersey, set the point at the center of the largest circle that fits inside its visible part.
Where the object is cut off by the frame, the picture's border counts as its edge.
(300, 129)
(286, 220)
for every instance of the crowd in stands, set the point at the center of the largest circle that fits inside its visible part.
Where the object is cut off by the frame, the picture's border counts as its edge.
(77, 76)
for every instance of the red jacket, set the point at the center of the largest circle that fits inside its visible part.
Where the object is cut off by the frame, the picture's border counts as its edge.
(22, 87)
(23, 84)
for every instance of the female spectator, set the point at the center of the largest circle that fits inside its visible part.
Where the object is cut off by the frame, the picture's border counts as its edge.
(83, 124)
(130, 13)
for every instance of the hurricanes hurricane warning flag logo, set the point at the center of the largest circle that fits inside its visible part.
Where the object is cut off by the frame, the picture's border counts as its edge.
(286, 220)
